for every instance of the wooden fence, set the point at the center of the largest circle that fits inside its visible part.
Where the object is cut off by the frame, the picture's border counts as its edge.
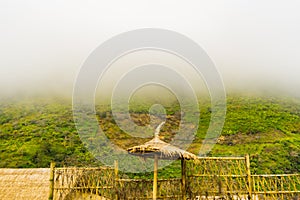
(205, 178)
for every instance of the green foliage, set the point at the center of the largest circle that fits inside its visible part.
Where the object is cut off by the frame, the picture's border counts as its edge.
(35, 131)
(266, 128)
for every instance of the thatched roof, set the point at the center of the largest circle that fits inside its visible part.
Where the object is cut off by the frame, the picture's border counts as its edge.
(24, 184)
(160, 148)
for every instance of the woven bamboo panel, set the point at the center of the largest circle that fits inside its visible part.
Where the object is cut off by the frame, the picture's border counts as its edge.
(283, 186)
(76, 183)
(142, 189)
(217, 178)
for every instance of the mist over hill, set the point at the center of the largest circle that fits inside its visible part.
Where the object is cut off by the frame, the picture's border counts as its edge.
(254, 46)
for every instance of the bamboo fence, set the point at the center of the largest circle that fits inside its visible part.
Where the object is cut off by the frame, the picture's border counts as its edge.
(204, 178)
(274, 186)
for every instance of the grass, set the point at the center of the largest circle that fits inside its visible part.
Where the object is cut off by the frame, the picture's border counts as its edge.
(35, 131)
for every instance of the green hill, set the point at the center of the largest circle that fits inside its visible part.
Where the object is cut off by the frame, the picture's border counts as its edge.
(35, 131)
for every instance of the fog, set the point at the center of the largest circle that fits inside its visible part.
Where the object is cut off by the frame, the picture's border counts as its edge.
(254, 44)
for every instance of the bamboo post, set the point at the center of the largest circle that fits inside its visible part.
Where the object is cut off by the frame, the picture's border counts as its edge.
(254, 184)
(220, 185)
(183, 178)
(52, 170)
(281, 186)
(247, 159)
(155, 177)
(116, 178)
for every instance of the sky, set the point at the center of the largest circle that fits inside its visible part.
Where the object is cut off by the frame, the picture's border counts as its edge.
(254, 44)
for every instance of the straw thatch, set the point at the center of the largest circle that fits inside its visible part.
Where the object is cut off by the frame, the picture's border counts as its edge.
(24, 184)
(160, 148)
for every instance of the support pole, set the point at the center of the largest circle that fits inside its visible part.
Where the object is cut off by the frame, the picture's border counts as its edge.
(155, 177)
(183, 178)
(51, 190)
(249, 182)
(116, 179)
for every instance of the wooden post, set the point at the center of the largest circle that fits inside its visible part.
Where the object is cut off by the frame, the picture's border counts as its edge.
(247, 159)
(116, 179)
(183, 178)
(155, 177)
(52, 170)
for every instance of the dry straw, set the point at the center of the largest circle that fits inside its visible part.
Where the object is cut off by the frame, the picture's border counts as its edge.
(161, 149)
(24, 184)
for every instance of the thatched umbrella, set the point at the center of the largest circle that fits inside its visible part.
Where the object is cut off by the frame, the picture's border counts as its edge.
(159, 149)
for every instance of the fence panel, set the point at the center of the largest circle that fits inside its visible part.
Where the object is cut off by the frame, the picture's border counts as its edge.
(277, 186)
(78, 183)
(143, 188)
(217, 177)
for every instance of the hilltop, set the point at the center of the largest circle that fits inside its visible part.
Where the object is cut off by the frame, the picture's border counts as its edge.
(35, 131)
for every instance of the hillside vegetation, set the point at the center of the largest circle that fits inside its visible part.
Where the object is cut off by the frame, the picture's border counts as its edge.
(35, 131)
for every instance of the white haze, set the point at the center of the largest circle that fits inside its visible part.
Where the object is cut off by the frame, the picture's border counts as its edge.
(254, 44)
